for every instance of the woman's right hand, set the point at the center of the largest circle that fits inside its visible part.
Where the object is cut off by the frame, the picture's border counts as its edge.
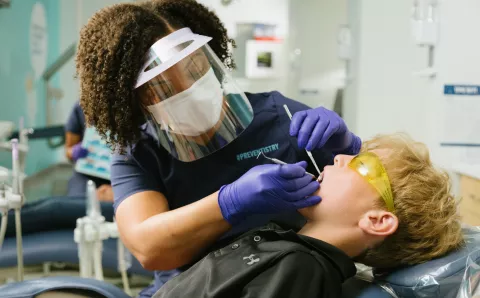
(268, 189)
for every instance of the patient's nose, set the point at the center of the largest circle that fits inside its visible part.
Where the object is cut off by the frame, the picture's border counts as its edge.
(342, 160)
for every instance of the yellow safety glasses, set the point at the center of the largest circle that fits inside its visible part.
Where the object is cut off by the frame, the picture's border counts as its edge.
(369, 166)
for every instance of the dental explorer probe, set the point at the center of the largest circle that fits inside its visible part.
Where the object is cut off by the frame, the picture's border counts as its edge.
(279, 162)
(308, 152)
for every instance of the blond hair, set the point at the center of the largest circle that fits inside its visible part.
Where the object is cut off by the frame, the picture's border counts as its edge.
(429, 225)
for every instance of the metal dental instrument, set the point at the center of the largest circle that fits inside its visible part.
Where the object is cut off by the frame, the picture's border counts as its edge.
(308, 152)
(279, 162)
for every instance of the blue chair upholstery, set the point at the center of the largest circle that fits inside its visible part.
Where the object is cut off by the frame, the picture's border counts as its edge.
(357, 288)
(51, 214)
(437, 278)
(32, 288)
(59, 246)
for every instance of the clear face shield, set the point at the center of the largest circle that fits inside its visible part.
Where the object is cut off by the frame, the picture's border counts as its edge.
(189, 98)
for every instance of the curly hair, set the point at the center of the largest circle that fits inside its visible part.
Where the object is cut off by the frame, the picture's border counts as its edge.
(429, 224)
(111, 52)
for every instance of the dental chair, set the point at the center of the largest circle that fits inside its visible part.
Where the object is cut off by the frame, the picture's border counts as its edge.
(48, 235)
(60, 247)
(62, 287)
(49, 239)
(451, 276)
(442, 277)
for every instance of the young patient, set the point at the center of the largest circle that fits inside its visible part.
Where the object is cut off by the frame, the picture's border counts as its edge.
(385, 208)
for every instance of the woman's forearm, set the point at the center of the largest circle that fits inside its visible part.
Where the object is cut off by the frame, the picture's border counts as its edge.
(71, 139)
(172, 239)
(68, 153)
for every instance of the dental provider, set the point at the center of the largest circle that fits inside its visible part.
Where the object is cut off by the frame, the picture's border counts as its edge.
(185, 175)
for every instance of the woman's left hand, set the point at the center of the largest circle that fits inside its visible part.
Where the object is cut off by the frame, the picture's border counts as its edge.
(320, 128)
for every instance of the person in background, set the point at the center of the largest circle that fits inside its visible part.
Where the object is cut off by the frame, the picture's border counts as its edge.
(74, 131)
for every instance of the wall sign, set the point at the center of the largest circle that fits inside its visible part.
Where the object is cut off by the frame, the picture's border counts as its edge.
(471, 90)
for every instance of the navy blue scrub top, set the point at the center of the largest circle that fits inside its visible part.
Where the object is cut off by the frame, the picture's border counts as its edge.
(147, 166)
(76, 121)
(77, 185)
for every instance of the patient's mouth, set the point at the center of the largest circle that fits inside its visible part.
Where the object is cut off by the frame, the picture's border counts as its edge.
(320, 178)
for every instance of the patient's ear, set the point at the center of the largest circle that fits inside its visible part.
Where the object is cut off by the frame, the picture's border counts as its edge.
(379, 223)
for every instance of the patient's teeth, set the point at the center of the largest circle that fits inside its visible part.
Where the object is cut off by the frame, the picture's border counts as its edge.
(320, 178)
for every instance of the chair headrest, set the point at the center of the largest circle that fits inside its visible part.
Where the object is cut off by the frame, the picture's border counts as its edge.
(437, 278)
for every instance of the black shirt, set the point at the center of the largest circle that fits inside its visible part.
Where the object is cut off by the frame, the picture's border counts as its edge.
(266, 262)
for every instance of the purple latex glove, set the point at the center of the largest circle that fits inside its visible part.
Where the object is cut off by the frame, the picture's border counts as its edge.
(78, 152)
(322, 128)
(268, 189)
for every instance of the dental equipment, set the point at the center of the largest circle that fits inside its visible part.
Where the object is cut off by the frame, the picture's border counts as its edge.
(93, 205)
(124, 259)
(96, 219)
(279, 162)
(79, 238)
(308, 152)
(23, 144)
(12, 198)
(89, 235)
(16, 202)
(4, 212)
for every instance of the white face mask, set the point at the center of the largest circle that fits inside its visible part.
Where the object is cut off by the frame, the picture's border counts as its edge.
(193, 111)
